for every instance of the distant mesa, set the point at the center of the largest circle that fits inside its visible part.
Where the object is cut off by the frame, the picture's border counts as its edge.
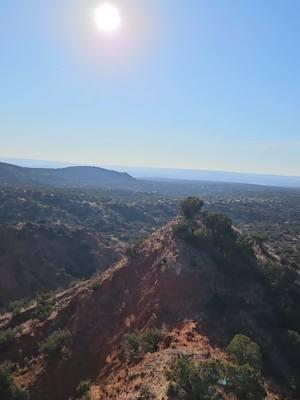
(173, 174)
(93, 177)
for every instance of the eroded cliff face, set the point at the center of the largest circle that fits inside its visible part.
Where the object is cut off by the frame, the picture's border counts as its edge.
(169, 285)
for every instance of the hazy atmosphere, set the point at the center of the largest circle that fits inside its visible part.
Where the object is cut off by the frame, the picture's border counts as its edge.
(149, 200)
(202, 85)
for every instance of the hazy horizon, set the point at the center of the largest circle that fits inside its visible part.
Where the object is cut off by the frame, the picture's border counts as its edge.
(211, 86)
(28, 162)
(157, 173)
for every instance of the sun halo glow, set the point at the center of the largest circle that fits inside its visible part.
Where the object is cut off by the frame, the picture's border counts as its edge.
(107, 18)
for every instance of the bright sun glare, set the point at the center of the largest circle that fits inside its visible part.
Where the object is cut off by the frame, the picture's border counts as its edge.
(107, 18)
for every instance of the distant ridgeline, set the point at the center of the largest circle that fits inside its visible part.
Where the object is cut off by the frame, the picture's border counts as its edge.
(93, 177)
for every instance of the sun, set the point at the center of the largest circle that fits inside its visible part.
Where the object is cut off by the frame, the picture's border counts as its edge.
(107, 18)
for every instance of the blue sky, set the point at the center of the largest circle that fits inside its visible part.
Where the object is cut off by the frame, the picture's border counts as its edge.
(211, 84)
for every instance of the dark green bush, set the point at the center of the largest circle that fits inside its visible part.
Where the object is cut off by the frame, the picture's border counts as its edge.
(53, 345)
(278, 277)
(150, 340)
(135, 345)
(44, 306)
(130, 347)
(95, 285)
(180, 228)
(83, 388)
(244, 382)
(208, 380)
(216, 237)
(244, 351)
(195, 381)
(8, 389)
(132, 250)
(218, 225)
(191, 206)
(16, 307)
(184, 231)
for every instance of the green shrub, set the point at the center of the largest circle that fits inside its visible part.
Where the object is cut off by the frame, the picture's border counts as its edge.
(191, 206)
(185, 230)
(16, 307)
(95, 285)
(207, 380)
(132, 250)
(83, 388)
(195, 381)
(244, 245)
(44, 306)
(218, 224)
(150, 340)
(53, 345)
(244, 351)
(8, 389)
(260, 237)
(181, 229)
(135, 345)
(279, 277)
(217, 238)
(130, 346)
(244, 382)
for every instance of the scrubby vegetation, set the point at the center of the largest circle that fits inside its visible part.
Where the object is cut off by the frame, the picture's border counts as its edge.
(130, 347)
(125, 215)
(16, 307)
(261, 213)
(235, 254)
(244, 351)
(134, 345)
(279, 278)
(95, 285)
(271, 214)
(214, 234)
(54, 344)
(83, 388)
(213, 379)
(44, 306)
(132, 250)
(191, 206)
(150, 340)
(264, 220)
(8, 389)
